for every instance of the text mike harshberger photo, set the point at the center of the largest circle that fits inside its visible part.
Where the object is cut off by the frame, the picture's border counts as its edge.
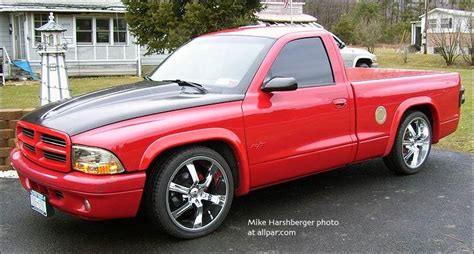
(292, 222)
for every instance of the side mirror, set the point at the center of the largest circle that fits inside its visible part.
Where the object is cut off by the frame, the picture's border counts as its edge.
(342, 45)
(280, 84)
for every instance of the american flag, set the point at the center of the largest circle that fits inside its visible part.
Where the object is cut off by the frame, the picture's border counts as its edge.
(286, 3)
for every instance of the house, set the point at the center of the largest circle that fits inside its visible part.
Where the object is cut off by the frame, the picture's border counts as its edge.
(98, 39)
(442, 24)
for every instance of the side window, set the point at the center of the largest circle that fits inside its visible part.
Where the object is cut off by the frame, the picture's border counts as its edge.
(306, 60)
(102, 30)
(120, 30)
(84, 30)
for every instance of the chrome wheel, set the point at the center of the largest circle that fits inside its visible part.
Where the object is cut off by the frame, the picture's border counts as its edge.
(197, 193)
(416, 142)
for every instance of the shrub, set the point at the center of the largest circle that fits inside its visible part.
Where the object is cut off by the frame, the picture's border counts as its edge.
(166, 25)
(344, 29)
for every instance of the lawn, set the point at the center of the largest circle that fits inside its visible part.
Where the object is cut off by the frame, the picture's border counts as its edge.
(27, 95)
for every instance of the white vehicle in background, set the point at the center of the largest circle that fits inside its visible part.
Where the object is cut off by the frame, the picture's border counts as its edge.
(354, 57)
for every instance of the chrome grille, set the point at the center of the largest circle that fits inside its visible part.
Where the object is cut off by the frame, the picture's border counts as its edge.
(54, 156)
(52, 140)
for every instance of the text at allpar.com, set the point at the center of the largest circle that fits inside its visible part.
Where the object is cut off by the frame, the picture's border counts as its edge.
(266, 227)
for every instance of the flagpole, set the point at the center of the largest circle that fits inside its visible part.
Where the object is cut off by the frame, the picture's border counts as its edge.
(291, 12)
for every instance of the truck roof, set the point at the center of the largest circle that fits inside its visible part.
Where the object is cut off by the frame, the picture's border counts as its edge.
(267, 31)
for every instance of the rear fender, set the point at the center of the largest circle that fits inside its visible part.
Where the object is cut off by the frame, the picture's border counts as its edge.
(398, 117)
(190, 137)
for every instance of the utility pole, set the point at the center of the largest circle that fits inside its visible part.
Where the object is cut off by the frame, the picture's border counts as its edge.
(425, 32)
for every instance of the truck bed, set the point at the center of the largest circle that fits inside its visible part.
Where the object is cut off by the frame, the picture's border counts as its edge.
(368, 74)
(394, 89)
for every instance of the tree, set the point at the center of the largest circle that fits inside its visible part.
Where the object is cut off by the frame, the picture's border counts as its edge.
(163, 25)
(345, 28)
(466, 5)
(328, 12)
(447, 45)
(366, 9)
(351, 27)
(404, 47)
(368, 24)
(393, 33)
(467, 42)
(368, 33)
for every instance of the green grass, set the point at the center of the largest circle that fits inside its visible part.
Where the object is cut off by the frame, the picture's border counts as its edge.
(461, 140)
(27, 96)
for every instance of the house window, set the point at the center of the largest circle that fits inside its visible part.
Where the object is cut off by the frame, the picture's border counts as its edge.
(39, 21)
(102, 30)
(447, 23)
(120, 30)
(433, 23)
(84, 30)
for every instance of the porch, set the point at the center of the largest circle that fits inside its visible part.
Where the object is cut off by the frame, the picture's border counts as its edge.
(98, 40)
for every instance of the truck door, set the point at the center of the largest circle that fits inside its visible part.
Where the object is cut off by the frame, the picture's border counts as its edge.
(295, 133)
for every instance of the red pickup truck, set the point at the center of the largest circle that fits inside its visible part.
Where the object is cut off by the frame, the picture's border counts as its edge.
(227, 113)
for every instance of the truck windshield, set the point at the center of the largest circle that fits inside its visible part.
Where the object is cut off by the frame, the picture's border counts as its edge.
(222, 64)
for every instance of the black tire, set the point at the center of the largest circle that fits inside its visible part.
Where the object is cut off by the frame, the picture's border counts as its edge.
(395, 160)
(159, 198)
(362, 65)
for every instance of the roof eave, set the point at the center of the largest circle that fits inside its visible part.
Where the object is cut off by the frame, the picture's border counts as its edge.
(460, 13)
(60, 10)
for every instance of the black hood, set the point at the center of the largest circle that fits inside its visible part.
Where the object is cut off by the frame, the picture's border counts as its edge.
(120, 103)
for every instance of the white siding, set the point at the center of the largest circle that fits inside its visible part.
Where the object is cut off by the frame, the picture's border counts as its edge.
(5, 37)
(93, 59)
(458, 22)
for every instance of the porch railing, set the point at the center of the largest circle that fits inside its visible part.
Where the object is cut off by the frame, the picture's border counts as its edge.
(5, 63)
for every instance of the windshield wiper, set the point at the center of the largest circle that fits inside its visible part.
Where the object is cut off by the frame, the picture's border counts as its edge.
(180, 82)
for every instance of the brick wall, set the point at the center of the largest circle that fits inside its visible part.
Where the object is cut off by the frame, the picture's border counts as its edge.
(8, 119)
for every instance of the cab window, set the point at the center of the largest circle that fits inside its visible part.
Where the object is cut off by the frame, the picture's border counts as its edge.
(306, 60)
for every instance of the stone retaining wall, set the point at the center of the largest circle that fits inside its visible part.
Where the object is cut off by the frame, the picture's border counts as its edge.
(8, 120)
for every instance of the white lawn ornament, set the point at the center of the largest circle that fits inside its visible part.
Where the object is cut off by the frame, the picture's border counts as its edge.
(54, 79)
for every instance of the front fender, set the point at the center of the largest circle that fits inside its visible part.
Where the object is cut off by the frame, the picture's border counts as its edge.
(195, 136)
(398, 117)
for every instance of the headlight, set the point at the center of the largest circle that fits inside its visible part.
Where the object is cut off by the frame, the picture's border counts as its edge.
(96, 161)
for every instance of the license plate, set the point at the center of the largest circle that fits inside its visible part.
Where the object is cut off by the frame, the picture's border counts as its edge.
(39, 203)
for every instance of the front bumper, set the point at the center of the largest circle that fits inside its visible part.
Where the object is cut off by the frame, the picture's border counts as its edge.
(108, 197)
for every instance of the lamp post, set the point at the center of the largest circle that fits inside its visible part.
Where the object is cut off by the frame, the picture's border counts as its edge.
(54, 79)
